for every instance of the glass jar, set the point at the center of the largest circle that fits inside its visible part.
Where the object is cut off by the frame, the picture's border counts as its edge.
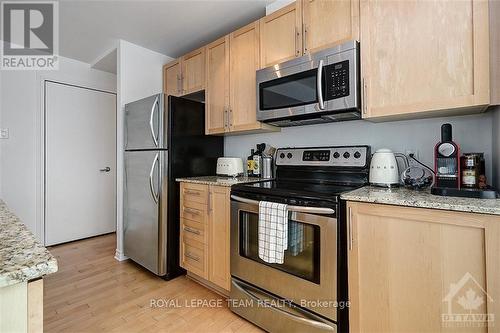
(470, 167)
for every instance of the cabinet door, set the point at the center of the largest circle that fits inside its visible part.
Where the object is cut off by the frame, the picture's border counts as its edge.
(409, 268)
(218, 224)
(193, 71)
(35, 306)
(172, 78)
(281, 35)
(329, 22)
(217, 86)
(244, 58)
(416, 59)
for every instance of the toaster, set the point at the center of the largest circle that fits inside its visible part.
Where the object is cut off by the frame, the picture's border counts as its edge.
(229, 166)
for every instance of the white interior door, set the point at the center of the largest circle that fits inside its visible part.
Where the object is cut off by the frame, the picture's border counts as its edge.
(80, 146)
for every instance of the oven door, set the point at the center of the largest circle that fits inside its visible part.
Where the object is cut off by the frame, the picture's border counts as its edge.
(308, 276)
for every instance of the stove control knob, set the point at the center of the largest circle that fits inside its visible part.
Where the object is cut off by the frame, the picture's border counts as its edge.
(347, 155)
(336, 154)
(282, 155)
(289, 155)
(357, 154)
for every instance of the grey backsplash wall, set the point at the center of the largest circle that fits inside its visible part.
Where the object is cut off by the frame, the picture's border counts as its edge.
(473, 133)
(496, 148)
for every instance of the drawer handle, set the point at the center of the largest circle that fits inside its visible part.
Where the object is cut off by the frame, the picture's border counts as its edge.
(191, 230)
(190, 256)
(192, 211)
(192, 192)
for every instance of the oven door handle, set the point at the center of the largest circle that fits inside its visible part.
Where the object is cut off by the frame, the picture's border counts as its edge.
(298, 209)
(310, 322)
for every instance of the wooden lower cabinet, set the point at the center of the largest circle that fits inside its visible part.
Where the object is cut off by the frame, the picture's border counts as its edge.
(219, 217)
(21, 307)
(415, 269)
(204, 235)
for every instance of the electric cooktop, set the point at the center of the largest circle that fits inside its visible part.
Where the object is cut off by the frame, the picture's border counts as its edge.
(291, 189)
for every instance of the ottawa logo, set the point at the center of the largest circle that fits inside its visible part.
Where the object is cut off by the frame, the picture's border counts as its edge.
(467, 304)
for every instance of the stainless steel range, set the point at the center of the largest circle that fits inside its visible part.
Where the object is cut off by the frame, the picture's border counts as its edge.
(308, 292)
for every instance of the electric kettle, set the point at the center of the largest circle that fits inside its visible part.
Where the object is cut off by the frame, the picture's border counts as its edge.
(384, 169)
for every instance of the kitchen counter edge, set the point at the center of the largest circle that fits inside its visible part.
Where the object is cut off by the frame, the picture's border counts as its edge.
(220, 181)
(22, 257)
(422, 199)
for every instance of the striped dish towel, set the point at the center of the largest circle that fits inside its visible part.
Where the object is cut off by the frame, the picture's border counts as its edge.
(273, 231)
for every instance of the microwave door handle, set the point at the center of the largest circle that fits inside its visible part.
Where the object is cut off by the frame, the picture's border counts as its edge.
(297, 209)
(292, 316)
(319, 85)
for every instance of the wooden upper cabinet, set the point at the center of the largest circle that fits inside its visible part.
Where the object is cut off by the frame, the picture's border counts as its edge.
(172, 78)
(217, 86)
(244, 59)
(193, 71)
(218, 225)
(329, 22)
(416, 59)
(405, 263)
(281, 35)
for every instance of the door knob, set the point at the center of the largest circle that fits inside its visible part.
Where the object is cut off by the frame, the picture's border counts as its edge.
(106, 169)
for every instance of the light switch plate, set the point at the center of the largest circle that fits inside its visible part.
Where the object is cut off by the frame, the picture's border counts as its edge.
(4, 133)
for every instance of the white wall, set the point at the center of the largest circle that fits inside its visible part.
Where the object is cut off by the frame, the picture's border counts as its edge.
(472, 133)
(277, 4)
(496, 148)
(139, 75)
(21, 112)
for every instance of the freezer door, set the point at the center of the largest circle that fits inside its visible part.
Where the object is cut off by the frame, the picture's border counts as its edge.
(144, 123)
(145, 209)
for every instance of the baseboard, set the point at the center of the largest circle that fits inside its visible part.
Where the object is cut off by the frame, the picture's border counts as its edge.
(208, 284)
(119, 255)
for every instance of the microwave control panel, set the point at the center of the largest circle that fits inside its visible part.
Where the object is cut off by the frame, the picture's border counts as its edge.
(337, 78)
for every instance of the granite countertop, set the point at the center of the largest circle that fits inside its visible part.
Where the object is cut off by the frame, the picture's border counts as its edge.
(22, 258)
(422, 199)
(220, 181)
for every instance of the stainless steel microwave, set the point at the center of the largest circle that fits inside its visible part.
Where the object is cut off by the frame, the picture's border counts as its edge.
(315, 88)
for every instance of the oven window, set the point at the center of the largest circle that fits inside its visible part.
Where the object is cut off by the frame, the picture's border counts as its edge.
(289, 91)
(302, 258)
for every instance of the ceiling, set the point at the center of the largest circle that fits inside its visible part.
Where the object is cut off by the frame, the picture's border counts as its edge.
(87, 29)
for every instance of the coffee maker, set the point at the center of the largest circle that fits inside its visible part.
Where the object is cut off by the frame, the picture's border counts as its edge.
(448, 171)
(447, 160)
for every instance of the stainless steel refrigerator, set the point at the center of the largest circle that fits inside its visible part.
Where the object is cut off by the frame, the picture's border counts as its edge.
(164, 140)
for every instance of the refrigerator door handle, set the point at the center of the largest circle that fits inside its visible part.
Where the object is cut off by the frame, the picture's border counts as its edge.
(151, 125)
(154, 194)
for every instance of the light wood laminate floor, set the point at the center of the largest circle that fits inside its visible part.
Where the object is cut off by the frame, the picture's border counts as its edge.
(92, 292)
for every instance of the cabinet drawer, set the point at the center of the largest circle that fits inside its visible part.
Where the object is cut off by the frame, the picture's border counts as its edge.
(194, 211)
(194, 193)
(193, 231)
(193, 257)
